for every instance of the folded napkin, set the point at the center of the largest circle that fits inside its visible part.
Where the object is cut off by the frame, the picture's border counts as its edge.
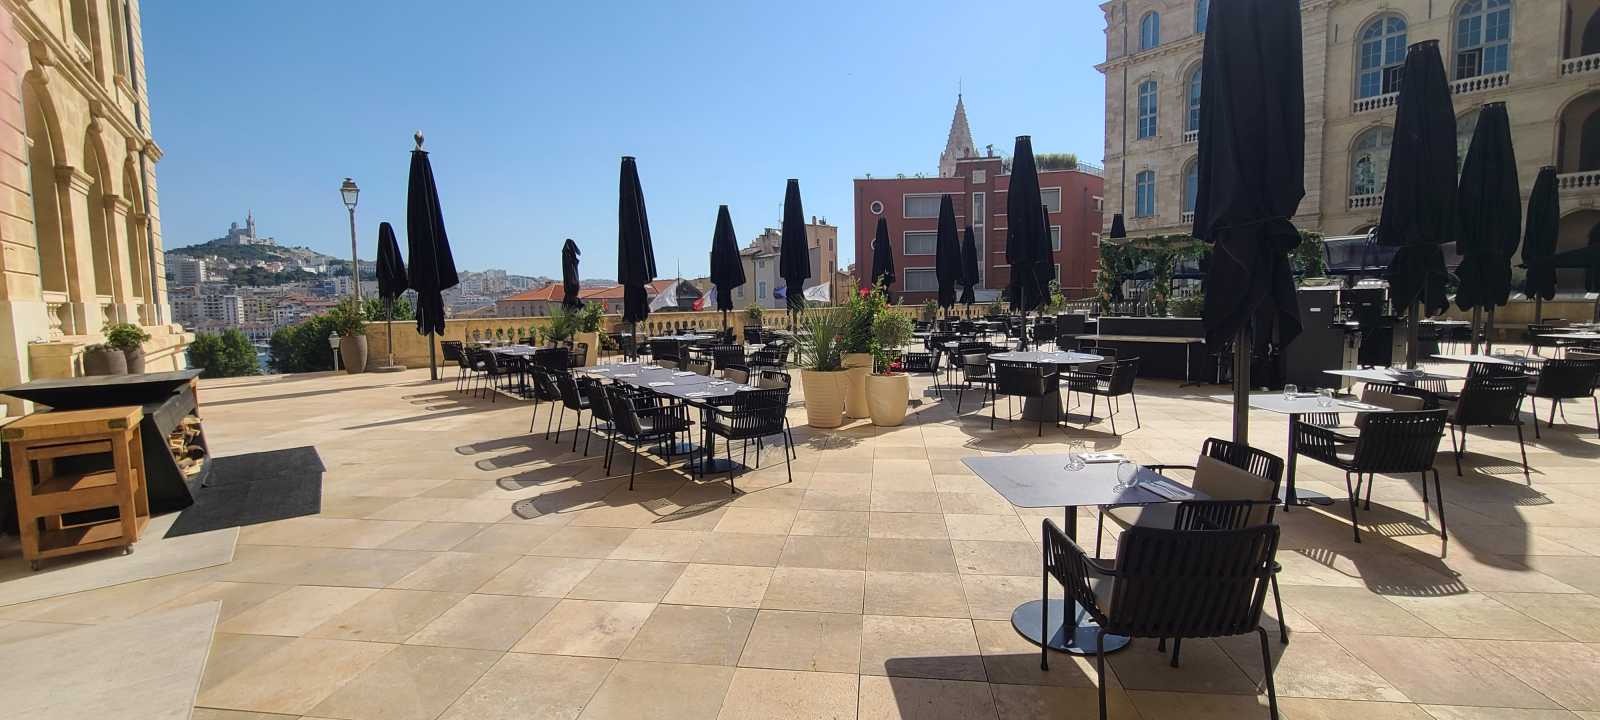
(1103, 457)
(681, 374)
(660, 384)
(697, 394)
(1168, 489)
(623, 375)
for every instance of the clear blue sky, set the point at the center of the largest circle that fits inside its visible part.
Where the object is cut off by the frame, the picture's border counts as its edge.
(527, 108)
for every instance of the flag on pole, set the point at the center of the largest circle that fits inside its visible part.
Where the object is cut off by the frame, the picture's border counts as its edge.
(668, 298)
(710, 298)
(821, 292)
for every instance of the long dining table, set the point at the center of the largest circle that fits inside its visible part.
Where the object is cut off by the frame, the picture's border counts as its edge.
(694, 389)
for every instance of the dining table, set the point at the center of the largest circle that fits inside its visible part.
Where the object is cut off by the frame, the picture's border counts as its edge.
(1297, 406)
(1049, 406)
(700, 391)
(1398, 376)
(1052, 481)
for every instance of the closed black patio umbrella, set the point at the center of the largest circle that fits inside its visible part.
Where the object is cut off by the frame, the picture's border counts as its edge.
(636, 256)
(1490, 205)
(1418, 206)
(947, 254)
(1118, 230)
(1251, 175)
(727, 270)
(1045, 269)
(969, 269)
(883, 260)
(1539, 239)
(1022, 228)
(433, 268)
(794, 257)
(569, 276)
(391, 282)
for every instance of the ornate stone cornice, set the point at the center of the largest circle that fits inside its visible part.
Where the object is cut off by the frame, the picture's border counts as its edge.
(74, 178)
(1190, 44)
(118, 204)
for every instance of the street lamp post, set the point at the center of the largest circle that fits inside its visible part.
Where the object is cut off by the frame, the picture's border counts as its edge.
(350, 192)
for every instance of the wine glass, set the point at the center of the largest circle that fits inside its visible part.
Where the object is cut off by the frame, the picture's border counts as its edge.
(1075, 460)
(1127, 475)
(1290, 391)
(1325, 397)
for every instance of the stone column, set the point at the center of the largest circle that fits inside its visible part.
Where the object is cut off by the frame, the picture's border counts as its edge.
(72, 190)
(123, 262)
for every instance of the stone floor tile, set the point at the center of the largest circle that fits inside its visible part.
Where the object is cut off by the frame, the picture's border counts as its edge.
(585, 627)
(542, 576)
(408, 683)
(830, 523)
(720, 585)
(741, 549)
(1011, 659)
(582, 542)
(484, 622)
(758, 521)
(1025, 702)
(628, 581)
(531, 687)
(1476, 616)
(1441, 671)
(907, 698)
(815, 589)
(456, 572)
(833, 553)
(502, 538)
(1005, 527)
(908, 555)
(792, 640)
(692, 634)
(757, 694)
(388, 616)
(920, 594)
(1311, 665)
(982, 557)
(1566, 672)
(660, 691)
(295, 611)
(1576, 616)
(293, 678)
(660, 545)
(920, 647)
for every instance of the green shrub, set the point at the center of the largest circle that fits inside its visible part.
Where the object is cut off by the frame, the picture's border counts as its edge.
(375, 310)
(349, 319)
(564, 324)
(890, 330)
(590, 316)
(303, 347)
(126, 336)
(228, 354)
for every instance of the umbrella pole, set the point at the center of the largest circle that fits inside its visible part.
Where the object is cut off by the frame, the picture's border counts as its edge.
(1411, 335)
(1488, 334)
(1476, 316)
(1538, 309)
(433, 363)
(1241, 385)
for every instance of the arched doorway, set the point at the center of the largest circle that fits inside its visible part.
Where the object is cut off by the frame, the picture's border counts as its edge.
(1579, 135)
(133, 234)
(1576, 228)
(99, 234)
(53, 276)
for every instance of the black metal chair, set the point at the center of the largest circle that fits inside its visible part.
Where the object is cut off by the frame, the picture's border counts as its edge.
(1487, 401)
(664, 351)
(1570, 378)
(1110, 380)
(642, 418)
(736, 373)
(580, 355)
(1092, 346)
(1024, 381)
(599, 418)
(698, 365)
(453, 353)
(753, 415)
(1068, 328)
(572, 398)
(492, 372)
(1390, 443)
(724, 355)
(975, 369)
(1166, 583)
(544, 391)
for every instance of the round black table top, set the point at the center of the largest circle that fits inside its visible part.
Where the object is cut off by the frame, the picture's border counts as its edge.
(1041, 357)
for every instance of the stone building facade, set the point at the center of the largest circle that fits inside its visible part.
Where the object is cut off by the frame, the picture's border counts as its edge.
(1540, 57)
(79, 218)
(760, 260)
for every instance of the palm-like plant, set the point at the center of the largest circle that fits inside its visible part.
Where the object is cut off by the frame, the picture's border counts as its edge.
(819, 340)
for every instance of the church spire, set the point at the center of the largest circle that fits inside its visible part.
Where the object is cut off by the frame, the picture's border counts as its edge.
(959, 145)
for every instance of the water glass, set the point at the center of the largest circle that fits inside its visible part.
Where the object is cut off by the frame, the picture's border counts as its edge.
(1075, 461)
(1325, 397)
(1290, 391)
(1127, 475)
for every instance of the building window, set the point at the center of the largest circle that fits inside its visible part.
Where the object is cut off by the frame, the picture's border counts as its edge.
(1055, 238)
(1202, 9)
(119, 52)
(1144, 194)
(1051, 197)
(1192, 94)
(1147, 109)
(1369, 163)
(921, 206)
(979, 177)
(980, 215)
(1483, 38)
(761, 290)
(1149, 30)
(919, 280)
(1381, 53)
(876, 208)
(1191, 185)
(81, 25)
(921, 243)
(1466, 125)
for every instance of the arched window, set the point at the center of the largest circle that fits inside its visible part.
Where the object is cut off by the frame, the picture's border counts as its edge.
(1483, 38)
(1191, 185)
(1201, 10)
(1144, 194)
(1192, 95)
(1147, 109)
(1369, 162)
(1380, 54)
(1466, 125)
(1149, 30)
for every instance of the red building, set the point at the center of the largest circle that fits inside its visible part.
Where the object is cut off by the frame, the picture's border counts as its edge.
(977, 184)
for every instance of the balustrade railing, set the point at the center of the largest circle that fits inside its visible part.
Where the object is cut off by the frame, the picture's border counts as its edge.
(1580, 65)
(1480, 83)
(1376, 102)
(1576, 181)
(1368, 200)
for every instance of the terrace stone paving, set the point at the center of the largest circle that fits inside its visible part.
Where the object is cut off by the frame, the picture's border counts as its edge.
(878, 584)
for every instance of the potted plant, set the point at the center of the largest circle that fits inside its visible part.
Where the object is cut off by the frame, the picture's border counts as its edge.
(752, 315)
(855, 350)
(130, 340)
(102, 359)
(821, 371)
(350, 323)
(930, 310)
(588, 330)
(888, 390)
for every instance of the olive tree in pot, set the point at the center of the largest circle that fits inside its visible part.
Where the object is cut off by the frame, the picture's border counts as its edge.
(821, 372)
(888, 390)
(350, 323)
(856, 351)
(128, 339)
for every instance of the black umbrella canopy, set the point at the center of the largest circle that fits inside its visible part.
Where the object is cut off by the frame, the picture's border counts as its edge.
(1418, 208)
(433, 268)
(1251, 167)
(1490, 205)
(794, 257)
(1044, 270)
(882, 257)
(1586, 258)
(1118, 230)
(391, 268)
(1023, 224)
(947, 253)
(569, 275)
(969, 268)
(1539, 237)
(727, 270)
(636, 256)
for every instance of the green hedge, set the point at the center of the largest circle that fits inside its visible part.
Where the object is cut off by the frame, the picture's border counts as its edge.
(303, 347)
(228, 354)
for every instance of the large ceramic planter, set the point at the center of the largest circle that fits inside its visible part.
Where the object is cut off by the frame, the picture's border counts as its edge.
(135, 359)
(592, 339)
(856, 366)
(887, 398)
(353, 352)
(105, 361)
(825, 390)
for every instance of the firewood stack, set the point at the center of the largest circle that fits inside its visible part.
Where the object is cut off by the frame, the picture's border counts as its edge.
(185, 445)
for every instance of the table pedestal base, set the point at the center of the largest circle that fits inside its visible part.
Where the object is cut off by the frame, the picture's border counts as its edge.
(1047, 408)
(1076, 638)
(679, 449)
(1306, 498)
(722, 465)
